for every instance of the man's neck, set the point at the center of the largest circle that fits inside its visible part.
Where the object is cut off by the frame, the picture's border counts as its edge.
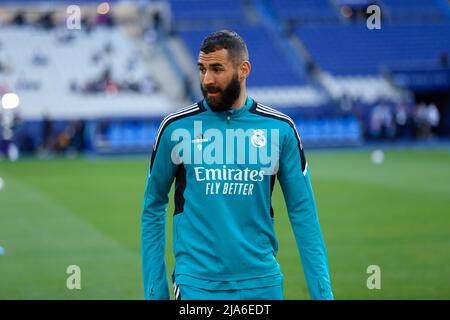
(240, 102)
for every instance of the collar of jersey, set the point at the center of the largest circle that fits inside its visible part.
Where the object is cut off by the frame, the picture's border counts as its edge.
(233, 112)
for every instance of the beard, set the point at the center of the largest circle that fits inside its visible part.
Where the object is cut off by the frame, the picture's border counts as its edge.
(226, 98)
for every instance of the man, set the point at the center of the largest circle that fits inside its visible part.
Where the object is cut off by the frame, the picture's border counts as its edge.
(217, 151)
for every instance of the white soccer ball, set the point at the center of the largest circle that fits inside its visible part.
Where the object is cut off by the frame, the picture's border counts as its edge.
(2, 183)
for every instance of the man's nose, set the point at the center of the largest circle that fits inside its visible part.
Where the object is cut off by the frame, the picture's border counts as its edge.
(208, 79)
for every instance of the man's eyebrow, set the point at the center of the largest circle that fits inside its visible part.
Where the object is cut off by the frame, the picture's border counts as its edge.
(211, 65)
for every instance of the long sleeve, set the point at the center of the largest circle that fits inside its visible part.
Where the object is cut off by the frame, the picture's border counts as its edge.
(153, 239)
(295, 182)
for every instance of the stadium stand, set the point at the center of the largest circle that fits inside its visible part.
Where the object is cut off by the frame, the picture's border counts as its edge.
(305, 12)
(91, 74)
(201, 10)
(277, 76)
(351, 50)
(410, 11)
(315, 60)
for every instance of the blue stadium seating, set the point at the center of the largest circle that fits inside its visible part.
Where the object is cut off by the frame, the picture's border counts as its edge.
(339, 131)
(305, 11)
(353, 49)
(124, 136)
(407, 11)
(194, 10)
(138, 135)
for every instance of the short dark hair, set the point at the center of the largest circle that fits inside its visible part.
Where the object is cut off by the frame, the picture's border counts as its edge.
(229, 40)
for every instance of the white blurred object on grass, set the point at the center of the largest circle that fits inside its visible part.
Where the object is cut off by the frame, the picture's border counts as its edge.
(377, 156)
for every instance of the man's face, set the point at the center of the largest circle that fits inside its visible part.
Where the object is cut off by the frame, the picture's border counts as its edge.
(219, 80)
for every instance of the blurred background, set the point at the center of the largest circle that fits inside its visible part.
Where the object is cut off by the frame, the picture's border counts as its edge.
(85, 84)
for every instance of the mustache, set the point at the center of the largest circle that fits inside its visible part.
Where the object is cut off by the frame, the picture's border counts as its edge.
(227, 95)
(212, 89)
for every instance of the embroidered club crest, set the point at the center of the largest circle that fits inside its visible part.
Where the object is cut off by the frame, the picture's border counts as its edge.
(258, 139)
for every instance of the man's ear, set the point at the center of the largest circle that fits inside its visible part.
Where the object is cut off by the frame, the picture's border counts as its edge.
(244, 70)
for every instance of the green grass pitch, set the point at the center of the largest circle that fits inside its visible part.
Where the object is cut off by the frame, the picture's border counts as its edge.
(86, 212)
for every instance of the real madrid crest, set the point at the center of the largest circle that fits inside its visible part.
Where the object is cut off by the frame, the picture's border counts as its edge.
(258, 139)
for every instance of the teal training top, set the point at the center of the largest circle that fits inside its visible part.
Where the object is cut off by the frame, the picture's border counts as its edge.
(225, 165)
